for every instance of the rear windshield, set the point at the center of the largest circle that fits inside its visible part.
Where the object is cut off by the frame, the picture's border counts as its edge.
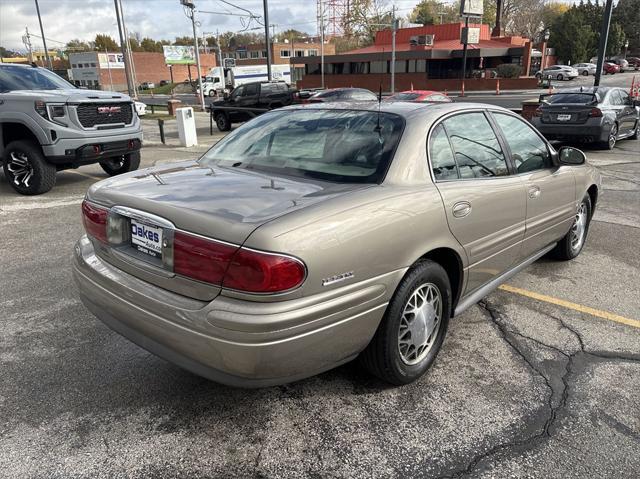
(570, 98)
(20, 78)
(343, 146)
(404, 96)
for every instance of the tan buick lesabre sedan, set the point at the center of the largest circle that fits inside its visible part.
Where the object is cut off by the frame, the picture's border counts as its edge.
(315, 234)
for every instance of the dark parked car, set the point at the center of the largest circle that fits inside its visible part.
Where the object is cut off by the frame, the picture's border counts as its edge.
(164, 82)
(343, 94)
(259, 95)
(603, 115)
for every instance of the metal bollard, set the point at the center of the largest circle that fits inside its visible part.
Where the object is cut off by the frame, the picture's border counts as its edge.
(161, 126)
(153, 109)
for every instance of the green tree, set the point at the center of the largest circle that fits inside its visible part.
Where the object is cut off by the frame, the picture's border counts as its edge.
(76, 45)
(184, 41)
(4, 53)
(425, 12)
(150, 45)
(105, 42)
(571, 37)
(293, 34)
(627, 14)
(615, 40)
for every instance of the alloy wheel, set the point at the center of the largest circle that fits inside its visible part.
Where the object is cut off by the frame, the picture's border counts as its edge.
(579, 228)
(420, 323)
(613, 136)
(20, 168)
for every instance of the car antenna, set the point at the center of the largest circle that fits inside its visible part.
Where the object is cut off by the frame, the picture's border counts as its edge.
(379, 103)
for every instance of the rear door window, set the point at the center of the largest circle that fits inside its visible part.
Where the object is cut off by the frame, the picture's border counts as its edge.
(443, 163)
(477, 151)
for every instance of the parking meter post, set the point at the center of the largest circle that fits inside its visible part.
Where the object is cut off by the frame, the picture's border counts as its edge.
(161, 127)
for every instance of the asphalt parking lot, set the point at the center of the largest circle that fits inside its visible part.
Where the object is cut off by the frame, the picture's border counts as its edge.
(542, 379)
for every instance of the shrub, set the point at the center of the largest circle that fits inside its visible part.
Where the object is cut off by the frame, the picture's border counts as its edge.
(509, 70)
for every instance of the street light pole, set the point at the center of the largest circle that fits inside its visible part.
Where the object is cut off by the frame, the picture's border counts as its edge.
(602, 47)
(192, 16)
(267, 40)
(44, 41)
(123, 46)
(394, 22)
(464, 52)
(626, 45)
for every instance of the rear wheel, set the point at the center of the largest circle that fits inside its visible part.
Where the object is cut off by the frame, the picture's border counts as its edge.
(121, 164)
(585, 73)
(611, 139)
(413, 328)
(26, 168)
(636, 132)
(222, 121)
(570, 246)
(560, 77)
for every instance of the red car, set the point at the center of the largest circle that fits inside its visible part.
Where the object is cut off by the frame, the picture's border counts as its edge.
(610, 68)
(420, 96)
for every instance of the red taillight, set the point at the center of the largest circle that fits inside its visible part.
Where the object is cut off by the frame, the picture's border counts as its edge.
(236, 268)
(200, 258)
(595, 113)
(258, 272)
(95, 220)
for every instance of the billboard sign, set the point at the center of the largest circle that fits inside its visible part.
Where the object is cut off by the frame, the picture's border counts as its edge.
(113, 61)
(179, 55)
(471, 8)
(471, 35)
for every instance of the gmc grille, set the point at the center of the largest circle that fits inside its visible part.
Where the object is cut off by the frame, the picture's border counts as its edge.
(89, 116)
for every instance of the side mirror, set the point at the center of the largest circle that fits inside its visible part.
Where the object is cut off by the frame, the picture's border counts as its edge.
(568, 155)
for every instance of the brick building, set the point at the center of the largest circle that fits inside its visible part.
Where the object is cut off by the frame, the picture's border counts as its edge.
(287, 52)
(428, 57)
(102, 70)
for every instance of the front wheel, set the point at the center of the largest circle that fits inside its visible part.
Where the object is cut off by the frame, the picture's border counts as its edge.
(560, 77)
(413, 328)
(121, 164)
(570, 246)
(26, 168)
(585, 73)
(636, 131)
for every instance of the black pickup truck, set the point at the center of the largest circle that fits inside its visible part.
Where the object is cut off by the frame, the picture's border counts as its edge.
(260, 96)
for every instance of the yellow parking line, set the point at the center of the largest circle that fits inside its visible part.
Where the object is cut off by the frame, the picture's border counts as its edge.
(568, 304)
(83, 174)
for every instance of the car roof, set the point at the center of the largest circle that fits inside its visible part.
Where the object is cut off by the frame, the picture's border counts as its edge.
(407, 110)
(421, 92)
(602, 90)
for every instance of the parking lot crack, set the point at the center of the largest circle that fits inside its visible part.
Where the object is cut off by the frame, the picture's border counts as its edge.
(560, 390)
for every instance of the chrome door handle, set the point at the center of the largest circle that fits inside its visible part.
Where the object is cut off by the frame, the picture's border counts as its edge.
(534, 192)
(461, 209)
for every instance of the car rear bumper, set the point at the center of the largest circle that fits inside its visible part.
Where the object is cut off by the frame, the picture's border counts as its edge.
(234, 342)
(584, 131)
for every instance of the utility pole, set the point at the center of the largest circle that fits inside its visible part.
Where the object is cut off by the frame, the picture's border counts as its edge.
(602, 47)
(464, 52)
(192, 16)
(266, 37)
(44, 41)
(123, 47)
(394, 27)
(106, 52)
(322, 44)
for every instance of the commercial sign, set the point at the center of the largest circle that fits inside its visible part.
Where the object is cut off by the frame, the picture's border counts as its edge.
(112, 61)
(470, 35)
(179, 55)
(472, 8)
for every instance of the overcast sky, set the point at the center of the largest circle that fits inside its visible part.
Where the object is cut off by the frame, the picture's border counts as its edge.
(159, 19)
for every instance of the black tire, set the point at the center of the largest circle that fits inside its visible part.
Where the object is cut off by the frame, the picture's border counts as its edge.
(121, 164)
(567, 248)
(610, 144)
(560, 77)
(27, 169)
(212, 93)
(222, 121)
(636, 132)
(585, 73)
(382, 357)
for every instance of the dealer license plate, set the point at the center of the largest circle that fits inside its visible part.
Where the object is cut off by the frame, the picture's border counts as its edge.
(564, 117)
(146, 238)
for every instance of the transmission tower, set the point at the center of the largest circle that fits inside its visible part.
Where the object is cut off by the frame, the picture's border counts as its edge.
(333, 13)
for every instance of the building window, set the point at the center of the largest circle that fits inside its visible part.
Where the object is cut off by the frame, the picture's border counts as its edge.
(312, 53)
(73, 65)
(401, 66)
(255, 54)
(299, 53)
(359, 67)
(242, 54)
(379, 67)
(312, 69)
(298, 73)
(264, 54)
(285, 53)
(79, 65)
(93, 65)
